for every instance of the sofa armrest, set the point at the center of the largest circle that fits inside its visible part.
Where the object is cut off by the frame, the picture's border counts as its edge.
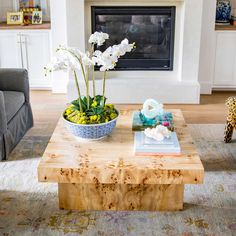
(3, 118)
(15, 80)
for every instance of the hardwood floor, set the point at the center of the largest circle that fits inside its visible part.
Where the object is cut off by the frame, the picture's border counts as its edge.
(211, 110)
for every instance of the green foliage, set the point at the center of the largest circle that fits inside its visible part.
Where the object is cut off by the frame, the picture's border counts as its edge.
(84, 103)
(97, 112)
(100, 100)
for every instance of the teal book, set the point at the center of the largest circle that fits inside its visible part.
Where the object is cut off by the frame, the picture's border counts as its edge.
(144, 145)
(140, 123)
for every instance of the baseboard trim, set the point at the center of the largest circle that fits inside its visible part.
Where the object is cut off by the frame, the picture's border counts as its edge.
(205, 88)
(225, 88)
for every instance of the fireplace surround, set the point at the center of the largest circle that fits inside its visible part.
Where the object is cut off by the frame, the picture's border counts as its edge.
(71, 25)
(151, 28)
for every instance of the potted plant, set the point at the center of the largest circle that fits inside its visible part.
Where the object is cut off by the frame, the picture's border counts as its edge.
(90, 117)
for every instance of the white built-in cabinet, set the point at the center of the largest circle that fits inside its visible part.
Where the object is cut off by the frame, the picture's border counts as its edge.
(225, 60)
(10, 55)
(29, 49)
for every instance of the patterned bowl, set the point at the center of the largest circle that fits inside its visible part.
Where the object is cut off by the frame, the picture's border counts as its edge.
(92, 131)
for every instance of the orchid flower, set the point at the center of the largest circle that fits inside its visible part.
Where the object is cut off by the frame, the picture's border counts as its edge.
(62, 62)
(86, 59)
(108, 59)
(98, 38)
(76, 55)
(69, 58)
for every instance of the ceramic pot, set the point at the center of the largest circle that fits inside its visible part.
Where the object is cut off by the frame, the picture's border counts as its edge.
(223, 10)
(91, 131)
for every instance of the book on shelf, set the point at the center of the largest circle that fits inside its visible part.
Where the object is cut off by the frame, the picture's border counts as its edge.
(140, 123)
(144, 145)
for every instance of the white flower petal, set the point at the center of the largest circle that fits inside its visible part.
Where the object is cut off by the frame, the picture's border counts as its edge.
(98, 38)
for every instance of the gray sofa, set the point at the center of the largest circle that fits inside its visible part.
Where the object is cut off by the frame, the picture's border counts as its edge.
(15, 110)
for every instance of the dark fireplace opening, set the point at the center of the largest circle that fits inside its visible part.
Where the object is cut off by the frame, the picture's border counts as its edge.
(151, 28)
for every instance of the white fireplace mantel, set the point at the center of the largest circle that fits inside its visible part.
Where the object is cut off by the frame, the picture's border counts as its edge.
(177, 86)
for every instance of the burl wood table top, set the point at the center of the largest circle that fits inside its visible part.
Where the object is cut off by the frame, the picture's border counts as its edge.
(111, 160)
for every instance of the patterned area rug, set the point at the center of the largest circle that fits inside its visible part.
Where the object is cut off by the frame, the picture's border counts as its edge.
(31, 208)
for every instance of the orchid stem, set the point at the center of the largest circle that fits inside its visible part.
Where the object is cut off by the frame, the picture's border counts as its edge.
(85, 75)
(93, 76)
(82, 69)
(87, 88)
(79, 59)
(104, 85)
(78, 89)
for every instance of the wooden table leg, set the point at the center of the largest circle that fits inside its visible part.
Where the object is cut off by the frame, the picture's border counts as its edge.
(148, 197)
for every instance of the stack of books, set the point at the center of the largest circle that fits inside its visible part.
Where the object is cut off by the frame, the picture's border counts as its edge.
(140, 123)
(144, 145)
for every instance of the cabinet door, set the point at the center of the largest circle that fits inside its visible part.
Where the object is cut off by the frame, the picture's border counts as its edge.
(36, 55)
(225, 64)
(10, 50)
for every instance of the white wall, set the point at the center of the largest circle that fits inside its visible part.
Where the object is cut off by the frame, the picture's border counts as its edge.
(5, 6)
(64, 14)
(206, 60)
(192, 39)
(59, 37)
(134, 87)
(75, 17)
(208, 46)
(67, 15)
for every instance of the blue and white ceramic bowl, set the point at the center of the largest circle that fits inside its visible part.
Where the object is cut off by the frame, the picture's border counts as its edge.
(92, 131)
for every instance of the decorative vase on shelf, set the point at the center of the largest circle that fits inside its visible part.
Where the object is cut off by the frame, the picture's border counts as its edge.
(223, 10)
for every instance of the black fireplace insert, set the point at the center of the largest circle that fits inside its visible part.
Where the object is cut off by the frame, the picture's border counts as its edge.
(151, 28)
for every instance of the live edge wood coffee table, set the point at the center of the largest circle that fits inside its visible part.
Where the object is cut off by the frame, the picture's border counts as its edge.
(105, 175)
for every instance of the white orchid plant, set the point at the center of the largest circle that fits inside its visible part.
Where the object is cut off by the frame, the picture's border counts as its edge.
(87, 109)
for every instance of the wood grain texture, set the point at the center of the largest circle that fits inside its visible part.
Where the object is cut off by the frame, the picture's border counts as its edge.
(111, 160)
(225, 27)
(5, 26)
(120, 197)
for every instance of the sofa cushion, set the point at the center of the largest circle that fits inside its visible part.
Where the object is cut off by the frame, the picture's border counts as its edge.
(13, 102)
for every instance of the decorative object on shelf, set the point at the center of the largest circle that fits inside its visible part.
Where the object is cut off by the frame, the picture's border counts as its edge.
(28, 15)
(164, 118)
(14, 18)
(90, 117)
(158, 133)
(37, 17)
(28, 3)
(25, 3)
(140, 123)
(223, 10)
(42, 5)
(152, 115)
(233, 20)
(151, 108)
